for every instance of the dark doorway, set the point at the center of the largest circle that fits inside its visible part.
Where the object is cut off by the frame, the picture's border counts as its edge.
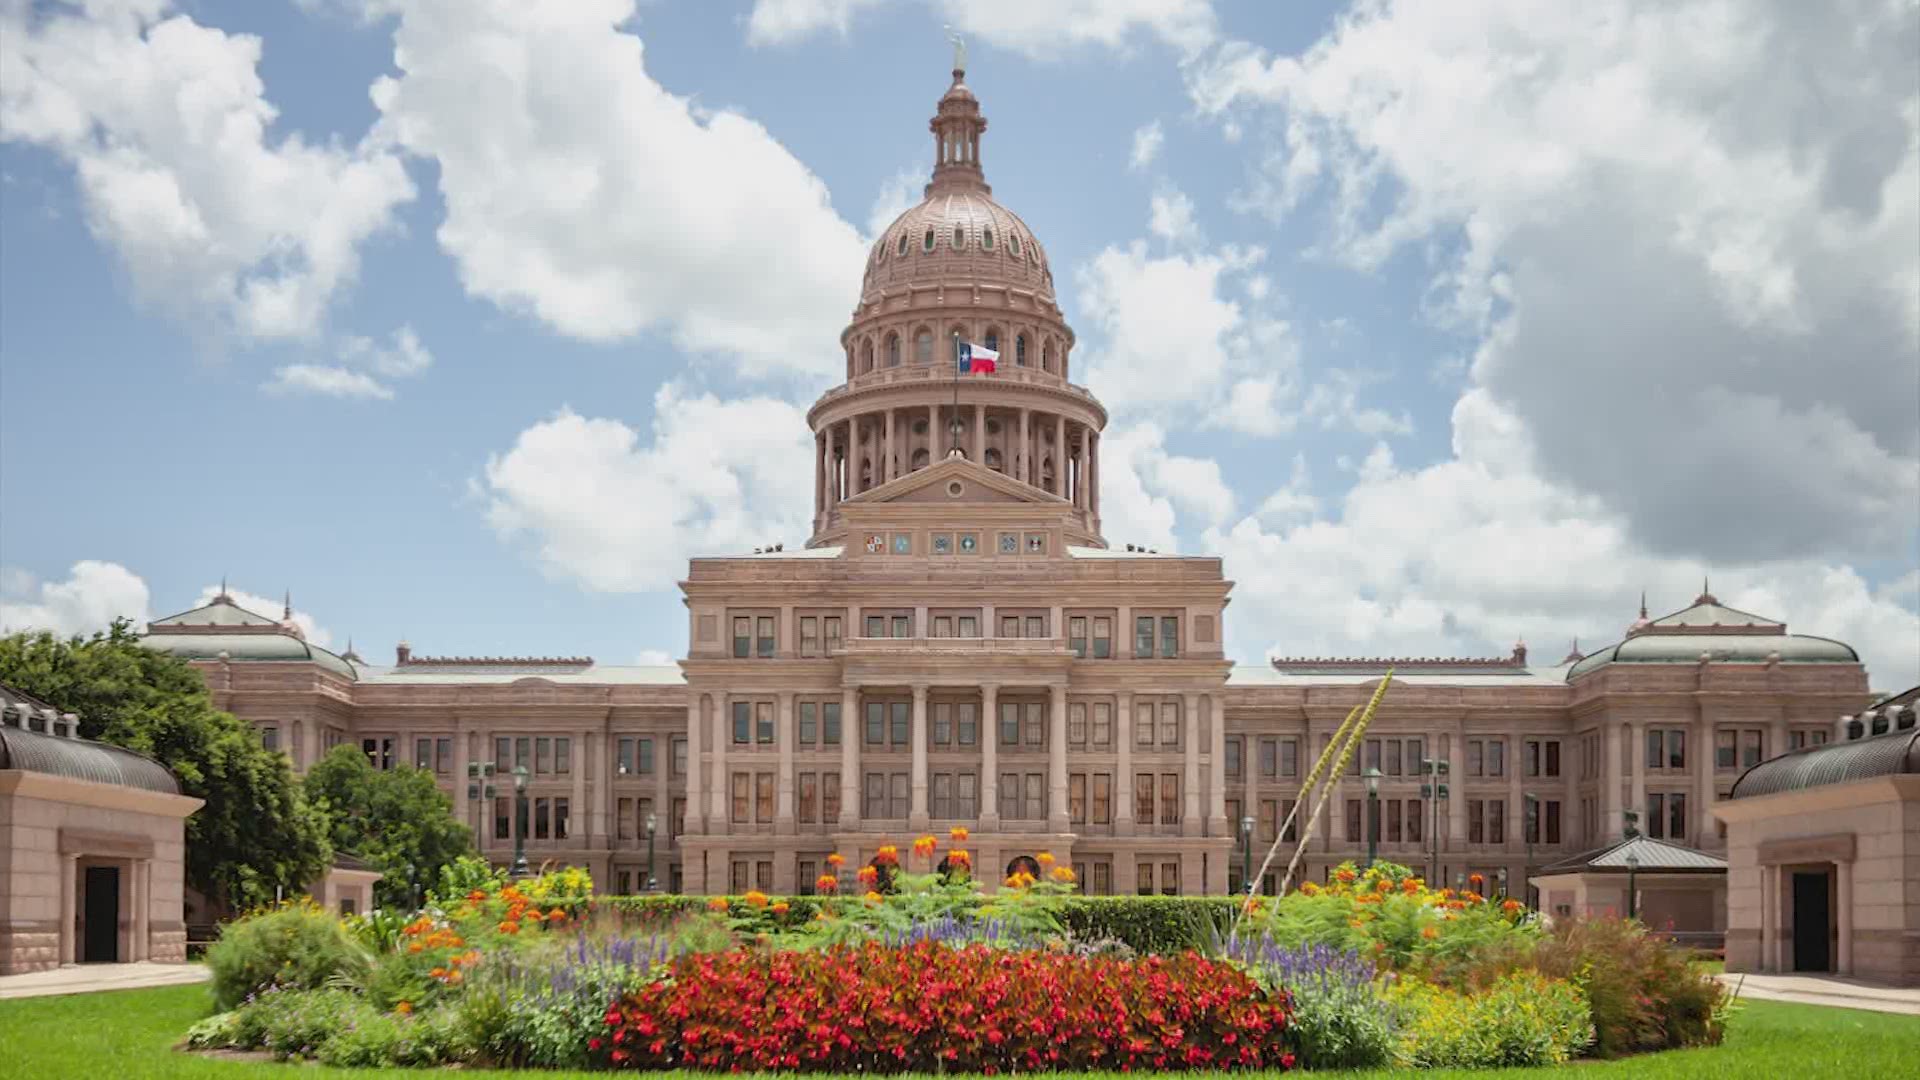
(1024, 864)
(1810, 923)
(102, 944)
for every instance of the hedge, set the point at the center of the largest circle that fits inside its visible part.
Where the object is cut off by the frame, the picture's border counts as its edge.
(1146, 924)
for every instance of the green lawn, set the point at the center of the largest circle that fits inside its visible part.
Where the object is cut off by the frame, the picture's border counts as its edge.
(128, 1035)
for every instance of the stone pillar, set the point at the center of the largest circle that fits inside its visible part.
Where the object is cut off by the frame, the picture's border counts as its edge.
(462, 806)
(1217, 824)
(851, 730)
(1060, 455)
(934, 453)
(1191, 823)
(917, 813)
(1057, 761)
(979, 454)
(1704, 792)
(1776, 737)
(696, 767)
(1843, 918)
(580, 816)
(1610, 781)
(1456, 792)
(142, 943)
(1516, 823)
(69, 907)
(888, 474)
(1023, 462)
(717, 816)
(989, 757)
(783, 736)
(1123, 823)
(830, 469)
(1637, 754)
(819, 472)
(1093, 473)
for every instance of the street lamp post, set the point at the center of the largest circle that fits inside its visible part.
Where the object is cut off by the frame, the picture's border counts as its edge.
(1633, 894)
(653, 882)
(1246, 853)
(1530, 830)
(520, 868)
(1372, 777)
(1433, 790)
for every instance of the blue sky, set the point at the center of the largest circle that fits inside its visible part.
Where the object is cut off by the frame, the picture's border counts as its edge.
(468, 323)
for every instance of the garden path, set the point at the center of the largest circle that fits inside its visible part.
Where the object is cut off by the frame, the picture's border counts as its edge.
(1826, 990)
(87, 978)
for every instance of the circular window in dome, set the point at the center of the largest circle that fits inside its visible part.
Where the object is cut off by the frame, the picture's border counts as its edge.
(986, 237)
(955, 489)
(1013, 244)
(926, 242)
(959, 237)
(902, 248)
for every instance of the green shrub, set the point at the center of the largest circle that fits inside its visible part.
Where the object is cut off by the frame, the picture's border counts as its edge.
(368, 1042)
(1645, 993)
(296, 947)
(1523, 1019)
(294, 1023)
(220, 1031)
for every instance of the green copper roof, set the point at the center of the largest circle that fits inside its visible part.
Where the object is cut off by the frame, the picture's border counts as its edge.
(243, 648)
(1653, 647)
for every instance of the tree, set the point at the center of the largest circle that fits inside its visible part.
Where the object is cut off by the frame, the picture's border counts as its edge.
(256, 834)
(398, 821)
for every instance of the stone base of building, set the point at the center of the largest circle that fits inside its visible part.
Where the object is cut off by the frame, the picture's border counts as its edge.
(22, 951)
(167, 946)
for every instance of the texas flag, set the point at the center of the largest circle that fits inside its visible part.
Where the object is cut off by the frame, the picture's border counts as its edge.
(977, 359)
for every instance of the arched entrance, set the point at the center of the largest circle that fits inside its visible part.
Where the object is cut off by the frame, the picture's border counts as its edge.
(1026, 864)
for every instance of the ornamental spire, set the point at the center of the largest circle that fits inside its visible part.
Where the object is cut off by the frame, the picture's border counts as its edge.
(957, 125)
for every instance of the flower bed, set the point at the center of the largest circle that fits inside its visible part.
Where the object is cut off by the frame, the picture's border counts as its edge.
(927, 1007)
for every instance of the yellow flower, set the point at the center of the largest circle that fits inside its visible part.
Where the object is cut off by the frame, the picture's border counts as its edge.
(1045, 858)
(1062, 874)
(873, 897)
(403, 1008)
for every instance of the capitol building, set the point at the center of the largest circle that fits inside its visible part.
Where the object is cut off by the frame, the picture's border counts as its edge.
(958, 644)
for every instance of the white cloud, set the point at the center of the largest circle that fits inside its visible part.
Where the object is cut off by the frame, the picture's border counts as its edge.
(271, 608)
(653, 658)
(94, 594)
(1146, 145)
(1170, 217)
(902, 191)
(167, 128)
(1466, 555)
(360, 360)
(582, 192)
(1696, 281)
(603, 508)
(1143, 488)
(326, 381)
(1038, 30)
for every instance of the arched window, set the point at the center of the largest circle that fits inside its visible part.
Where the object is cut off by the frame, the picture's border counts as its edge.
(986, 237)
(1020, 350)
(926, 242)
(1013, 243)
(959, 238)
(1024, 864)
(893, 350)
(993, 339)
(923, 346)
(920, 458)
(993, 460)
(902, 249)
(866, 356)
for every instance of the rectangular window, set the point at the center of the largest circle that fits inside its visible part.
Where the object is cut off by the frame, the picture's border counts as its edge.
(1142, 723)
(1010, 626)
(1169, 798)
(503, 755)
(1009, 724)
(1476, 822)
(542, 819)
(1169, 723)
(1393, 820)
(830, 798)
(1496, 821)
(542, 755)
(1496, 757)
(563, 755)
(1725, 753)
(422, 750)
(1143, 798)
(1143, 638)
(876, 723)
(1143, 879)
(940, 795)
(1077, 798)
(830, 723)
(742, 722)
(765, 638)
(876, 626)
(523, 753)
(1656, 815)
(562, 817)
(763, 722)
(902, 714)
(502, 819)
(809, 723)
(969, 626)
(1035, 725)
(1103, 798)
(1416, 820)
(742, 794)
(763, 797)
(645, 757)
(1170, 879)
(943, 626)
(1371, 753)
(1390, 763)
(1077, 725)
(1353, 821)
(741, 871)
(966, 724)
(942, 723)
(1077, 636)
(679, 755)
(874, 794)
(742, 638)
(903, 626)
(1553, 757)
(1102, 879)
(809, 636)
(1553, 821)
(809, 798)
(1676, 749)
(1530, 758)
(1169, 637)
(1289, 757)
(623, 819)
(1036, 626)
(1035, 803)
(1102, 640)
(1236, 762)
(763, 875)
(1752, 748)
(966, 796)
(833, 633)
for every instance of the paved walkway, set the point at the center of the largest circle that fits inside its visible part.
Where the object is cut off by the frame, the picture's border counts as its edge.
(87, 978)
(1826, 990)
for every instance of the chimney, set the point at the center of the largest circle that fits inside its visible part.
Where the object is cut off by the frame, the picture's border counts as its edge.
(1520, 652)
(402, 654)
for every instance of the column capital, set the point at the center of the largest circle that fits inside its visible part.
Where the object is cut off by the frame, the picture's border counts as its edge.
(920, 690)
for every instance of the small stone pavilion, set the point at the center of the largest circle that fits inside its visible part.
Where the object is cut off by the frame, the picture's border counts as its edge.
(92, 846)
(1823, 847)
(1679, 892)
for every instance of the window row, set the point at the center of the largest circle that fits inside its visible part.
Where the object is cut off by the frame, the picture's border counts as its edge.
(888, 351)
(1089, 636)
(550, 818)
(632, 817)
(1392, 821)
(541, 755)
(817, 723)
(1266, 823)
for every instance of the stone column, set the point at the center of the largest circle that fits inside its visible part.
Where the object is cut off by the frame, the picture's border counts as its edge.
(934, 453)
(462, 806)
(718, 817)
(1123, 823)
(579, 814)
(783, 736)
(1843, 887)
(819, 472)
(1701, 765)
(979, 454)
(851, 729)
(1191, 823)
(1093, 474)
(1057, 761)
(142, 943)
(827, 466)
(1637, 754)
(989, 757)
(1060, 455)
(1457, 793)
(1026, 447)
(1776, 737)
(1610, 781)
(69, 907)
(1516, 822)
(917, 813)
(696, 807)
(888, 472)
(1217, 824)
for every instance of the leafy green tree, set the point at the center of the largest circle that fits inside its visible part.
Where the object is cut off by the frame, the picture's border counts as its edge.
(398, 821)
(256, 834)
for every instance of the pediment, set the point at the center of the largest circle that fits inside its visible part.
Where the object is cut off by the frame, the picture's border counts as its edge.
(934, 484)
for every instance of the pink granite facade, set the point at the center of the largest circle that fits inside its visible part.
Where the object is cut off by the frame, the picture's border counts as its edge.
(957, 644)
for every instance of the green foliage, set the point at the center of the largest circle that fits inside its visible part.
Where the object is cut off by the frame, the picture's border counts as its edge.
(464, 875)
(295, 946)
(296, 1023)
(368, 1040)
(1645, 993)
(1522, 1019)
(397, 820)
(379, 930)
(256, 834)
(1147, 924)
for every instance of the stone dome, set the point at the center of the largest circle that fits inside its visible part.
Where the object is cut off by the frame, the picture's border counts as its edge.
(958, 235)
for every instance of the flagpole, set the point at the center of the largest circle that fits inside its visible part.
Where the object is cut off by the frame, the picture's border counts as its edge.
(953, 426)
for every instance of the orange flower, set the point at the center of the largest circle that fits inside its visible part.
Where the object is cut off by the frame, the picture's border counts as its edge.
(826, 883)
(872, 897)
(438, 973)
(1310, 888)
(1476, 880)
(1345, 875)
(958, 859)
(1062, 874)
(958, 834)
(509, 927)
(888, 855)
(868, 875)
(1382, 885)
(755, 898)
(453, 977)
(924, 846)
(556, 913)
(476, 896)
(1410, 886)
(779, 908)
(414, 947)
(1045, 859)
(718, 903)
(1511, 906)
(403, 1008)
(836, 860)
(1020, 879)
(1429, 932)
